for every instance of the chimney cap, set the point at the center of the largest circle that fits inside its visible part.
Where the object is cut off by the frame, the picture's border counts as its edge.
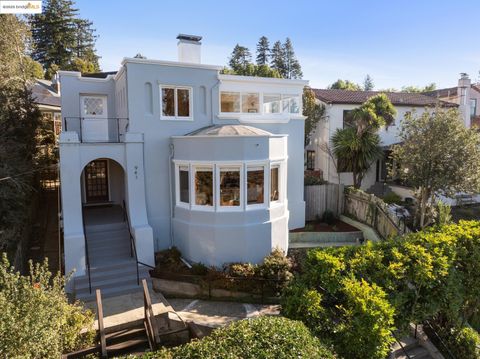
(193, 38)
(464, 75)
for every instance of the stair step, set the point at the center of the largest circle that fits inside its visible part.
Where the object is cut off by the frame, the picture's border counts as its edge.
(417, 352)
(127, 346)
(99, 234)
(97, 228)
(112, 292)
(107, 282)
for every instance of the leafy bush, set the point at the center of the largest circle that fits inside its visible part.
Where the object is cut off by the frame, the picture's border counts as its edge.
(329, 217)
(199, 269)
(392, 198)
(36, 320)
(264, 337)
(276, 266)
(464, 343)
(244, 270)
(310, 180)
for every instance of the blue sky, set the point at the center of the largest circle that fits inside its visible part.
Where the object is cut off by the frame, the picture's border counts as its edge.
(398, 43)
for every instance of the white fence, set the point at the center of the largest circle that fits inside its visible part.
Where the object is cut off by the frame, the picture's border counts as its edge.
(320, 198)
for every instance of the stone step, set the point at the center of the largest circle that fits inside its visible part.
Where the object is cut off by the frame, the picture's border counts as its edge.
(98, 228)
(105, 283)
(114, 233)
(116, 271)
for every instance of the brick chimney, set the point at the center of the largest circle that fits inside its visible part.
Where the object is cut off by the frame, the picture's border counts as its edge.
(189, 48)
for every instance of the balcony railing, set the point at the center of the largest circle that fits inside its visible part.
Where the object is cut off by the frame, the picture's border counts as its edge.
(97, 129)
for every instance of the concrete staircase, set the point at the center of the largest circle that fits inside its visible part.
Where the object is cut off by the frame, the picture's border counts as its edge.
(413, 349)
(112, 267)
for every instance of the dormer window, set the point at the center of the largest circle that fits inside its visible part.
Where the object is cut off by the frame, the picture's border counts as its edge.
(176, 103)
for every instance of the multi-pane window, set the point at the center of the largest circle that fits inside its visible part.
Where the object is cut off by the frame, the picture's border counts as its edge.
(184, 184)
(274, 184)
(230, 187)
(93, 106)
(310, 160)
(176, 102)
(204, 186)
(250, 102)
(255, 185)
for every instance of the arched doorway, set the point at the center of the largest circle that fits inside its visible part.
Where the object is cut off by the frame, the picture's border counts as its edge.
(104, 214)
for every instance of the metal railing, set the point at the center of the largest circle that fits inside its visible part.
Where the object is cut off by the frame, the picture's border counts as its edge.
(103, 130)
(133, 247)
(439, 340)
(87, 257)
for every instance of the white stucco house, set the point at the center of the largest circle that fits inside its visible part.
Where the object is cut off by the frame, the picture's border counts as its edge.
(177, 154)
(337, 104)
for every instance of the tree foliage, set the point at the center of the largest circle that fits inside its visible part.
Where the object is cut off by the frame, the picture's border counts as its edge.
(263, 51)
(292, 70)
(358, 146)
(19, 126)
(438, 155)
(36, 320)
(61, 39)
(313, 111)
(240, 59)
(416, 89)
(351, 295)
(345, 85)
(368, 84)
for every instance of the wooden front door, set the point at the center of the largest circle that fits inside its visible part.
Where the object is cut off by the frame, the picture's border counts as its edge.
(96, 181)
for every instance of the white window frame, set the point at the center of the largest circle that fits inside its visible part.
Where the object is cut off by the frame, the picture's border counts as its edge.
(241, 92)
(266, 185)
(178, 202)
(193, 195)
(281, 194)
(175, 97)
(229, 166)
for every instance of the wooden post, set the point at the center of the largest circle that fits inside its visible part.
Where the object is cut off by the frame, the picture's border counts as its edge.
(101, 329)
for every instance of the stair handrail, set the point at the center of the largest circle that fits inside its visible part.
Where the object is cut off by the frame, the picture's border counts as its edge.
(404, 350)
(87, 257)
(133, 247)
(437, 336)
(149, 318)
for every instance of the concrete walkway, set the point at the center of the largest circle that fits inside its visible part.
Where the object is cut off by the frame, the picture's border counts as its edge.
(128, 308)
(368, 232)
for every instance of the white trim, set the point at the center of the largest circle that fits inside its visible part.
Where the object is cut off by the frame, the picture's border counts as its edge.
(175, 103)
(85, 78)
(177, 185)
(170, 63)
(262, 80)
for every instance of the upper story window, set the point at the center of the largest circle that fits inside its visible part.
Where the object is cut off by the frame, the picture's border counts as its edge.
(473, 107)
(176, 102)
(254, 103)
(310, 160)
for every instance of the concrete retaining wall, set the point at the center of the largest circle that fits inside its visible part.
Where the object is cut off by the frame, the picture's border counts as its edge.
(325, 237)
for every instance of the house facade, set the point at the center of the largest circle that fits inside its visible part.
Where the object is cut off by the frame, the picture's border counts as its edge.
(466, 95)
(165, 154)
(337, 105)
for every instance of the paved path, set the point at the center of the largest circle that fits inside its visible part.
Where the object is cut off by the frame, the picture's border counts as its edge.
(128, 308)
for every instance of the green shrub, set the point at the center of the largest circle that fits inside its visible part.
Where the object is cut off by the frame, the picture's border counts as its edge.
(310, 180)
(243, 270)
(36, 320)
(329, 217)
(264, 337)
(276, 266)
(199, 269)
(464, 343)
(392, 198)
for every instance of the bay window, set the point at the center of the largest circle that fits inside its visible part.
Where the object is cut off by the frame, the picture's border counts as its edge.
(204, 186)
(255, 185)
(176, 102)
(229, 187)
(183, 184)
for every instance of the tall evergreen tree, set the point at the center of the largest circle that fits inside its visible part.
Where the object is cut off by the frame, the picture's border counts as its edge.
(368, 84)
(293, 70)
(277, 61)
(263, 51)
(240, 59)
(60, 37)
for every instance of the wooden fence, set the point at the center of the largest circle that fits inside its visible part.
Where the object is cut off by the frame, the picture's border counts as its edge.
(373, 211)
(320, 198)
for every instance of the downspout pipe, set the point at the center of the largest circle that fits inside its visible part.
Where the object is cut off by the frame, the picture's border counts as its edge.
(170, 184)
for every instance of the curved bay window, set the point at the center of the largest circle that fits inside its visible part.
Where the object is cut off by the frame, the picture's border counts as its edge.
(204, 186)
(274, 183)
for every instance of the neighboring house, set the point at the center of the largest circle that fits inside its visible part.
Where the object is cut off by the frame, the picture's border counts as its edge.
(466, 95)
(206, 162)
(338, 103)
(46, 95)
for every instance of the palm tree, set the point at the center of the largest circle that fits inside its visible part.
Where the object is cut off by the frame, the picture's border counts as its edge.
(356, 153)
(357, 148)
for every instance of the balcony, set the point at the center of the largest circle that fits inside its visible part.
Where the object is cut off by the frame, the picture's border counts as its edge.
(100, 130)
